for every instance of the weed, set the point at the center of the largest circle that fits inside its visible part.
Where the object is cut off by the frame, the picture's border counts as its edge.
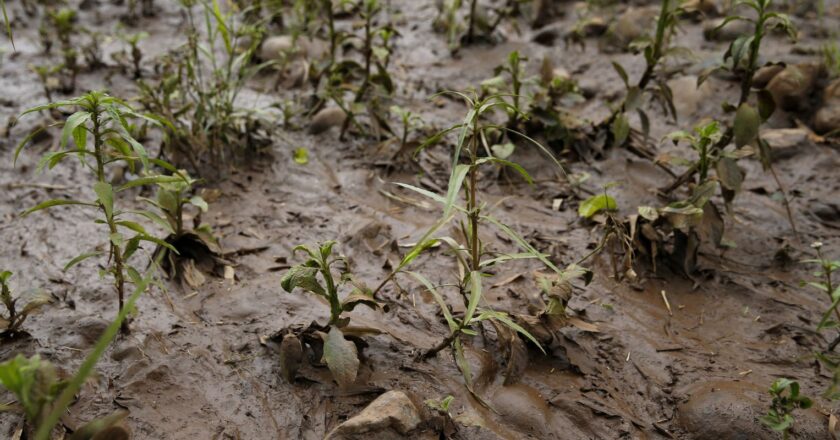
(780, 416)
(655, 50)
(470, 252)
(826, 284)
(11, 323)
(133, 39)
(340, 355)
(101, 136)
(197, 97)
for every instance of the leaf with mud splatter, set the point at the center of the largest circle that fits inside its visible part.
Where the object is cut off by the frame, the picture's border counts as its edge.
(341, 357)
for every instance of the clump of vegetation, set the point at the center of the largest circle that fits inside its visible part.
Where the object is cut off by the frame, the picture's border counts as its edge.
(340, 354)
(37, 385)
(475, 261)
(101, 134)
(10, 325)
(786, 400)
(655, 50)
(196, 100)
(475, 24)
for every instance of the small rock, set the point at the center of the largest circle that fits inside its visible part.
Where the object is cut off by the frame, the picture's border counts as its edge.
(764, 74)
(708, 8)
(91, 328)
(827, 118)
(632, 24)
(391, 415)
(126, 350)
(687, 96)
(523, 407)
(327, 118)
(786, 142)
(275, 48)
(731, 410)
(792, 87)
(284, 47)
(730, 32)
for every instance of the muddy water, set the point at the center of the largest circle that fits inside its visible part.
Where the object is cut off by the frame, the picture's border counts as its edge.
(194, 366)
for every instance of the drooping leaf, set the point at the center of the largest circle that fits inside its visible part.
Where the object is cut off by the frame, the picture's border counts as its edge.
(341, 357)
(303, 277)
(729, 174)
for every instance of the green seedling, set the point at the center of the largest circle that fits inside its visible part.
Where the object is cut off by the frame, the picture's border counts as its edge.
(43, 397)
(478, 25)
(826, 284)
(655, 50)
(742, 59)
(442, 406)
(616, 238)
(475, 263)
(93, 51)
(63, 23)
(316, 276)
(101, 139)
(37, 385)
(786, 399)
(409, 122)
(193, 243)
(46, 74)
(11, 323)
(133, 41)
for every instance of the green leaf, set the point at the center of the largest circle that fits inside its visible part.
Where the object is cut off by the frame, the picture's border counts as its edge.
(620, 129)
(341, 357)
(510, 164)
(55, 202)
(596, 204)
(150, 180)
(447, 314)
(503, 151)
(301, 156)
(462, 362)
(729, 174)
(105, 194)
(475, 296)
(73, 121)
(303, 277)
(199, 202)
(79, 258)
(745, 128)
(455, 183)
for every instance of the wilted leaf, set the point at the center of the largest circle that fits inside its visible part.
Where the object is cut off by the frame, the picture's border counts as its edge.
(729, 174)
(341, 357)
(357, 297)
(291, 355)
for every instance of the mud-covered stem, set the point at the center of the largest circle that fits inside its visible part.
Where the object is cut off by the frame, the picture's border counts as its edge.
(335, 304)
(114, 249)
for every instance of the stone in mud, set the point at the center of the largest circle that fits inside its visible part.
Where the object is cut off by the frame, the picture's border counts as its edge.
(91, 328)
(827, 118)
(786, 142)
(631, 25)
(391, 416)
(708, 8)
(731, 410)
(764, 74)
(687, 96)
(792, 87)
(284, 47)
(327, 118)
(729, 32)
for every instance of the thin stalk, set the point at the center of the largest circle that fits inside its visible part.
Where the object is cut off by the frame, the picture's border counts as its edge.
(471, 26)
(114, 249)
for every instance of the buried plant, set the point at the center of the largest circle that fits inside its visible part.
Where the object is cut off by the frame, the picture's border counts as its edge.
(475, 262)
(340, 354)
(193, 244)
(11, 323)
(100, 134)
(786, 399)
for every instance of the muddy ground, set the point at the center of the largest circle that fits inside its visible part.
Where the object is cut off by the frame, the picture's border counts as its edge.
(194, 367)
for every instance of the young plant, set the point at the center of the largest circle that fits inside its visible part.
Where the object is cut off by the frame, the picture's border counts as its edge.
(11, 323)
(99, 130)
(475, 262)
(786, 399)
(136, 54)
(196, 99)
(827, 285)
(315, 275)
(194, 243)
(655, 50)
(616, 237)
(36, 385)
(742, 59)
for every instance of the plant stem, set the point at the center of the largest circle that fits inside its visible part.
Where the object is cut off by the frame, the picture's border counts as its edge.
(471, 28)
(114, 249)
(472, 205)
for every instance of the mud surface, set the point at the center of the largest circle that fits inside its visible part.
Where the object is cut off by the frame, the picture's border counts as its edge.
(194, 366)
